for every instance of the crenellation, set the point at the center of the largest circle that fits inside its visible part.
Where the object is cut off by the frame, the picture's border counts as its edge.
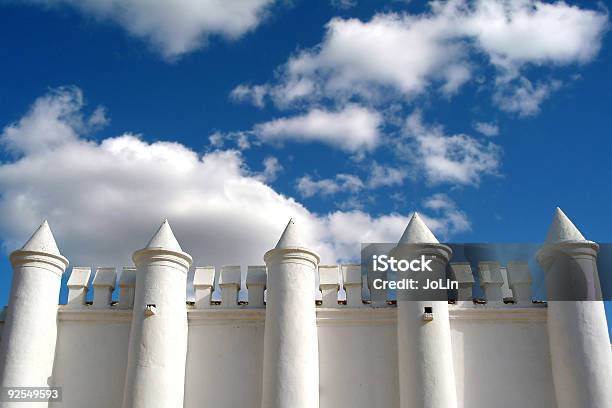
(229, 282)
(318, 293)
(465, 278)
(77, 287)
(352, 281)
(507, 295)
(329, 284)
(203, 285)
(127, 286)
(491, 280)
(256, 281)
(103, 286)
(511, 286)
(519, 280)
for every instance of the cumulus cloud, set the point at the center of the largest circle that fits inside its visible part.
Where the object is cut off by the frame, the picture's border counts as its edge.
(53, 120)
(352, 129)
(519, 31)
(173, 27)
(401, 55)
(105, 199)
(457, 159)
(395, 53)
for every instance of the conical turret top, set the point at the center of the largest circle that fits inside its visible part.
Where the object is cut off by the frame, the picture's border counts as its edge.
(417, 232)
(42, 241)
(562, 229)
(291, 237)
(164, 239)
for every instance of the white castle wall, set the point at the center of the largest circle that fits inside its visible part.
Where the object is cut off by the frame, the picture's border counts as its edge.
(500, 355)
(500, 349)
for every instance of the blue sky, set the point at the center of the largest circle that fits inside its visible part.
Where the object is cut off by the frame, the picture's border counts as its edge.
(347, 115)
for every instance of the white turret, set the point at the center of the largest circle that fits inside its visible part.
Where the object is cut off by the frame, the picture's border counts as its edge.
(291, 357)
(27, 350)
(155, 375)
(425, 360)
(577, 330)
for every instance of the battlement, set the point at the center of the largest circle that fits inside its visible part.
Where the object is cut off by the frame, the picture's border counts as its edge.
(341, 286)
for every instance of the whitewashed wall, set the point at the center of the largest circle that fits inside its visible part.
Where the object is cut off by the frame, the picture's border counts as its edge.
(501, 357)
(500, 352)
(90, 358)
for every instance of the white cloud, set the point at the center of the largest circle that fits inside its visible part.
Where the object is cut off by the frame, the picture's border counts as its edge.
(216, 139)
(173, 27)
(458, 159)
(452, 219)
(253, 94)
(105, 199)
(525, 98)
(347, 183)
(378, 176)
(401, 55)
(271, 169)
(385, 176)
(343, 4)
(524, 31)
(53, 120)
(241, 140)
(343, 226)
(487, 128)
(395, 53)
(353, 128)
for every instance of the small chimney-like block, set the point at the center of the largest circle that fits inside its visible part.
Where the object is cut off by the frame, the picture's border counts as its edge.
(127, 286)
(519, 280)
(329, 282)
(103, 286)
(507, 295)
(203, 282)
(229, 282)
(465, 279)
(491, 280)
(351, 276)
(256, 280)
(318, 296)
(77, 287)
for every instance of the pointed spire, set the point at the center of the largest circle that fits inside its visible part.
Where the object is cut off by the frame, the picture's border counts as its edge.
(417, 232)
(42, 241)
(562, 229)
(164, 239)
(291, 237)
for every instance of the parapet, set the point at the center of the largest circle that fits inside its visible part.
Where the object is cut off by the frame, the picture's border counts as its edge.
(341, 286)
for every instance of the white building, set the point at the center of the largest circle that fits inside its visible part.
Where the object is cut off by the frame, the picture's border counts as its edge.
(153, 349)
